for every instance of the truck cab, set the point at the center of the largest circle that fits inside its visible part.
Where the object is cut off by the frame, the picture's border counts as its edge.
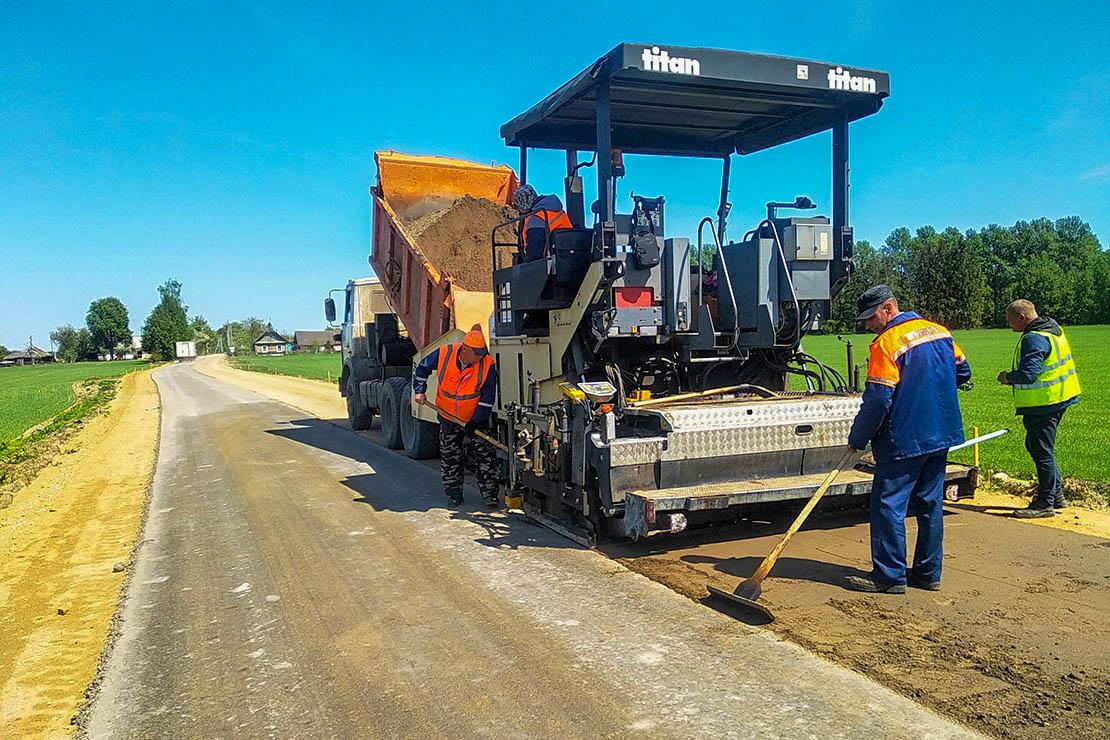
(374, 345)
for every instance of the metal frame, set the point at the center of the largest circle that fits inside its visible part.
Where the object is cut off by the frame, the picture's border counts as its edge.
(767, 95)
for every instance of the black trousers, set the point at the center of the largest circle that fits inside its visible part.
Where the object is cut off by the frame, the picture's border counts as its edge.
(1040, 443)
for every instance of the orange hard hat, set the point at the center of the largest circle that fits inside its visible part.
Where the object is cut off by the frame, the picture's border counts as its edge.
(474, 338)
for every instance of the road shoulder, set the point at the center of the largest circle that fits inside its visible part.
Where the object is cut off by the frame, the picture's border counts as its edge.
(61, 538)
(315, 397)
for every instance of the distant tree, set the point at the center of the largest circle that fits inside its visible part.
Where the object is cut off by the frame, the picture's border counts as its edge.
(108, 324)
(944, 273)
(203, 334)
(72, 344)
(167, 323)
(243, 333)
(4, 350)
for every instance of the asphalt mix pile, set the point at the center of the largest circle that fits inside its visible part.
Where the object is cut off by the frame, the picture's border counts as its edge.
(1014, 645)
(456, 240)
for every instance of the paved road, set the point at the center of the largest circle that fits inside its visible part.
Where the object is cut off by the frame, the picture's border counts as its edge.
(295, 580)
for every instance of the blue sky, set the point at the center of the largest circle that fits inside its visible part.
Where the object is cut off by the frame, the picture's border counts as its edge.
(230, 144)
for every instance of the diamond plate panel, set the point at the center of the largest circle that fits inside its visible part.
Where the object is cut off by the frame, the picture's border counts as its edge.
(740, 429)
(760, 413)
(635, 451)
(746, 440)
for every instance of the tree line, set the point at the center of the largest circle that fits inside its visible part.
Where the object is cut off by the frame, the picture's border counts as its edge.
(965, 279)
(107, 329)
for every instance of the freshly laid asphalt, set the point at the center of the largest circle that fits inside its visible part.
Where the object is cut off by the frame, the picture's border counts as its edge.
(296, 580)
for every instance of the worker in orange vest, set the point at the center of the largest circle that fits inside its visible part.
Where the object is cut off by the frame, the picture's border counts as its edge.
(466, 378)
(544, 215)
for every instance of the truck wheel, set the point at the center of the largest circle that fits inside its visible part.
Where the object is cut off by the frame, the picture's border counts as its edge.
(395, 398)
(421, 437)
(358, 414)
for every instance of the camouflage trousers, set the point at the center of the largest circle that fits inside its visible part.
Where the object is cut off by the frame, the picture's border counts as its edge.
(455, 448)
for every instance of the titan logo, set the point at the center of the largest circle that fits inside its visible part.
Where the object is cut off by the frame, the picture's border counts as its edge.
(660, 61)
(842, 79)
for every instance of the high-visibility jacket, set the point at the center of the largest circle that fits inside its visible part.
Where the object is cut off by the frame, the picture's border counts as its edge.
(548, 218)
(552, 220)
(1058, 380)
(459, 389)
(909, 403)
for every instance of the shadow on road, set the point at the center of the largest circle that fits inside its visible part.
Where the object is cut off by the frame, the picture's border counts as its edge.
(1003, 511)
(402, 485)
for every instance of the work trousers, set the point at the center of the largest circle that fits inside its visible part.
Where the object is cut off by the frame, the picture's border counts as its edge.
(897, 484)
(455, 447)
(1040, 443)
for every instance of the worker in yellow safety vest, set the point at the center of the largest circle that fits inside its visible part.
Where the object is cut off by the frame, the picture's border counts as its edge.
(1045, 384)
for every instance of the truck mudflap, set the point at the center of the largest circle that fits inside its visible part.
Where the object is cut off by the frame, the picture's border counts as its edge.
(667, 510)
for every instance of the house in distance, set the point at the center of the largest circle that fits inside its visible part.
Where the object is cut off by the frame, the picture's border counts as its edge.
(272, 343)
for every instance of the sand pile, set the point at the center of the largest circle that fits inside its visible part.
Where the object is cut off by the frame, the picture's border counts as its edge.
(456, 240)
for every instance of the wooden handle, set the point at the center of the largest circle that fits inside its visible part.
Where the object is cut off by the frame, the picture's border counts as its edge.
(769, 561)
(455, 420)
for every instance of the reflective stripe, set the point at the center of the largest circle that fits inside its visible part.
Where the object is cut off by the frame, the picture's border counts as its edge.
(917, 338)
(1046, 383)
(881, 381)
(443, 363)
(463, 397)
(1062, 361)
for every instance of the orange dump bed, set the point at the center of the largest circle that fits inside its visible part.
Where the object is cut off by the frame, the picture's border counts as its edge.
(408, 189)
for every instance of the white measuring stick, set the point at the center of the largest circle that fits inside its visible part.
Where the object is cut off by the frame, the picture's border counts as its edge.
(977, 440)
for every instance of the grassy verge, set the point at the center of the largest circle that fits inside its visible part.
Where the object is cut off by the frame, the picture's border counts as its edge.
(1083, 436)
(326, 366)
(41, 406)
(34, 394)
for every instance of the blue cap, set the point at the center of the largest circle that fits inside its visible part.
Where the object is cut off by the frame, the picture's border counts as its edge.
(868, 303)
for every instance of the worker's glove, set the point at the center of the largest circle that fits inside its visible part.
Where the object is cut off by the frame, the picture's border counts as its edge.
(965, 386)
(473, 426)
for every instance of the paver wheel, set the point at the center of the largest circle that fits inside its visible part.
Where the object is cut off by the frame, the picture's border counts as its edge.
(359, 415)
(395, 403)
(421, 437)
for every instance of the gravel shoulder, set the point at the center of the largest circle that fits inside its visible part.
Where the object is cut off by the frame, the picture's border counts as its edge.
(60, 539)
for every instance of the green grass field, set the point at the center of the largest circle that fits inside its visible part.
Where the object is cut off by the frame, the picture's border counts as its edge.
(30, 395)
(1084, 438)
(325, 366)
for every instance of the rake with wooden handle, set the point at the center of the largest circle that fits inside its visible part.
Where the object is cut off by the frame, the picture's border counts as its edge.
(747, 593)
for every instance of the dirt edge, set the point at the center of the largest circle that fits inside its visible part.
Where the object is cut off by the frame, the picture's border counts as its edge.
(115, 627)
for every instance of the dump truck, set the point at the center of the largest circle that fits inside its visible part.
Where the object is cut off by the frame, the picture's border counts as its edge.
(644, 387)
(417, 304)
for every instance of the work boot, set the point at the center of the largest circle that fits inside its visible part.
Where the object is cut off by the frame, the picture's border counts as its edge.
(455, 497)
(871, 586)
(924, 584)
(1058, 501)
(1038, 509)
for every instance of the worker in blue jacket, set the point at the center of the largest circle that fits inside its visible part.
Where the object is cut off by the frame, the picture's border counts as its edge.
(910, 415)
(1045, 384)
